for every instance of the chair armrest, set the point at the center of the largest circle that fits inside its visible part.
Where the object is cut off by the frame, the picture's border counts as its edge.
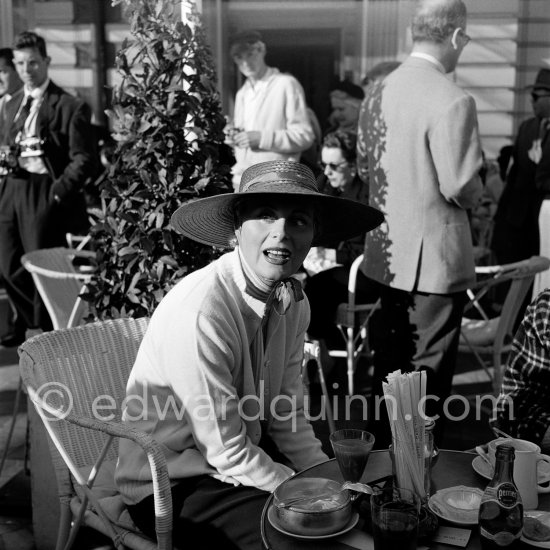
(159, 472)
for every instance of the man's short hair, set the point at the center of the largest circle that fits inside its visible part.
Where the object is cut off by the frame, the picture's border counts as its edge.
(435, 20)
(29, 39)
(7, 55)
(243, 41)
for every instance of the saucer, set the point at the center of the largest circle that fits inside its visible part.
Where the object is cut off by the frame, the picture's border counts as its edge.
(545, 518)
(272, 517)
(484, 470)
(459, 505)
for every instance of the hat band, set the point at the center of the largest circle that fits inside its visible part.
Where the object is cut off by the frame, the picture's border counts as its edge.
(295, 178)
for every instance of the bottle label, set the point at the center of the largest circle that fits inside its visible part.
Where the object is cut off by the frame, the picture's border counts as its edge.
(507, 495)
(502, 538)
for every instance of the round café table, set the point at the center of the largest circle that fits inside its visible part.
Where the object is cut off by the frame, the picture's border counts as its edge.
(452, 468)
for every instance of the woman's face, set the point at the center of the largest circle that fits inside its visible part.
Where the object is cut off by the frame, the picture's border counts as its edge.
(275, 236)
(337, 169)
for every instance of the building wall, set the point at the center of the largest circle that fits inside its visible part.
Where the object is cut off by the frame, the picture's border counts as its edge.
(511, 41)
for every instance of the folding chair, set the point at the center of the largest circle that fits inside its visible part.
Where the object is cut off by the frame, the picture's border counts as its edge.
(352, 320)
(312, 352)
(493, 336)
(88, 364)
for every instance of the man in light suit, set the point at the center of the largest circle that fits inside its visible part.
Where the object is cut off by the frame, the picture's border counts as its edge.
(418, 135)
(50, 136)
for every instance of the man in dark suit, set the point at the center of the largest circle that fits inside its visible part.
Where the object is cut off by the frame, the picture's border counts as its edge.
(49, 134)
(516, 229)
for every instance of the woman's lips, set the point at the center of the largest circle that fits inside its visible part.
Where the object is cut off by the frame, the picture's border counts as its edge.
(277, 256)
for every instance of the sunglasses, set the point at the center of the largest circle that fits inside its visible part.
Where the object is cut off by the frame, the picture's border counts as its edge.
(334, 166)
(536, 96)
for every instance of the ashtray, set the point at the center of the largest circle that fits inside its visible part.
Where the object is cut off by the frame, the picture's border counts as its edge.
(459, 505)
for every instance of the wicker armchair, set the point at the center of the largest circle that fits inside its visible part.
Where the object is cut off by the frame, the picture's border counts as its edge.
(65, 372)
(59, 283)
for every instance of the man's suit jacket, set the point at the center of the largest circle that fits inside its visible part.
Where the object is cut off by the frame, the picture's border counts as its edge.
(419, 134)
(63, 123)
(519, 204)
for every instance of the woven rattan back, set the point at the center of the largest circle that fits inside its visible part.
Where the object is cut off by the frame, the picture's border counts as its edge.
(58, 282)
(83, 371)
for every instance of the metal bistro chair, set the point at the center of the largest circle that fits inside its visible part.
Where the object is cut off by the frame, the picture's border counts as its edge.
(494, 336)
(87, 363)
(352, 319)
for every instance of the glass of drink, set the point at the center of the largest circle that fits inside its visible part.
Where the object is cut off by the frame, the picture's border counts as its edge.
(394, 516)
(352, 449)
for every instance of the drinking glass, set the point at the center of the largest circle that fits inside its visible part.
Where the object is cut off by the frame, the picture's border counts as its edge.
(394, 516)
(352, 449)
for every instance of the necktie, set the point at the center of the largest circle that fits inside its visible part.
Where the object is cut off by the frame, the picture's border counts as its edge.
(19, 122)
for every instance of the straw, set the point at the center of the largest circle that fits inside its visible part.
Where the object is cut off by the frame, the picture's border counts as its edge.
(404, 393)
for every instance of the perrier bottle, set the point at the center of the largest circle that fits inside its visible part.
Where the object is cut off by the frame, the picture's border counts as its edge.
(501, 509)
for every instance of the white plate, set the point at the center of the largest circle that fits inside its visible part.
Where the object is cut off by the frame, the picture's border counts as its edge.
(545, 518)
(484, 470)
(466, 517)
(272, 517)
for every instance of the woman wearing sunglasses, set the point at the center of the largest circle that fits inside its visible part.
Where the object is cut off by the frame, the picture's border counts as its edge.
(328, 288)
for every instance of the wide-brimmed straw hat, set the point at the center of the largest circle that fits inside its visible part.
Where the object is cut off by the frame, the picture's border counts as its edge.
(211, 220)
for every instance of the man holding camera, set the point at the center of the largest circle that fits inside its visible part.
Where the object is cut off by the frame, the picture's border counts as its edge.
(48, 135)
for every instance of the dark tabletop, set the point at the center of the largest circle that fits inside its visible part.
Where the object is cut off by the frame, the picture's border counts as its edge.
(452, 468)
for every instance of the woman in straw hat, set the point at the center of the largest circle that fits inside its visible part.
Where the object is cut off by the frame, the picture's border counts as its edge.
(217, 380)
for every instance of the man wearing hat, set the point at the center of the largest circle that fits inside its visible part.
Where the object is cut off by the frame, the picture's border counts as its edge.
(516, 229)
(345, 100)
(270, 120)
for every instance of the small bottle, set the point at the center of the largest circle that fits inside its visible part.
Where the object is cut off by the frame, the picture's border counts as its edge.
(431, 454)
(501, 509)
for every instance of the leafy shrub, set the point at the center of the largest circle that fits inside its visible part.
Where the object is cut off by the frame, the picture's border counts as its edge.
(168, 124)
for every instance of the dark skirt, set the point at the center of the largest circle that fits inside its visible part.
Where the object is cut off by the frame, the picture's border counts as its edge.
(209, 513)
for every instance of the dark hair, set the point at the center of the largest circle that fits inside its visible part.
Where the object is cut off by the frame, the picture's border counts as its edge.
(435, 20)
(346, 141)
(7, 55)
(28, 39)
(243, 41)
(380, 70)
(349, 88)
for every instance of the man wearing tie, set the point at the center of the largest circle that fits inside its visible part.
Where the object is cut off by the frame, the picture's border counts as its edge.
(49, 135)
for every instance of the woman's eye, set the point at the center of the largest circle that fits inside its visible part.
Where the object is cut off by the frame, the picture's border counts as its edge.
(301, 221)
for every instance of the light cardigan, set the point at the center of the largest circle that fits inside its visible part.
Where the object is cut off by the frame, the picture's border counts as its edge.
(193, 367)
(280, 115)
